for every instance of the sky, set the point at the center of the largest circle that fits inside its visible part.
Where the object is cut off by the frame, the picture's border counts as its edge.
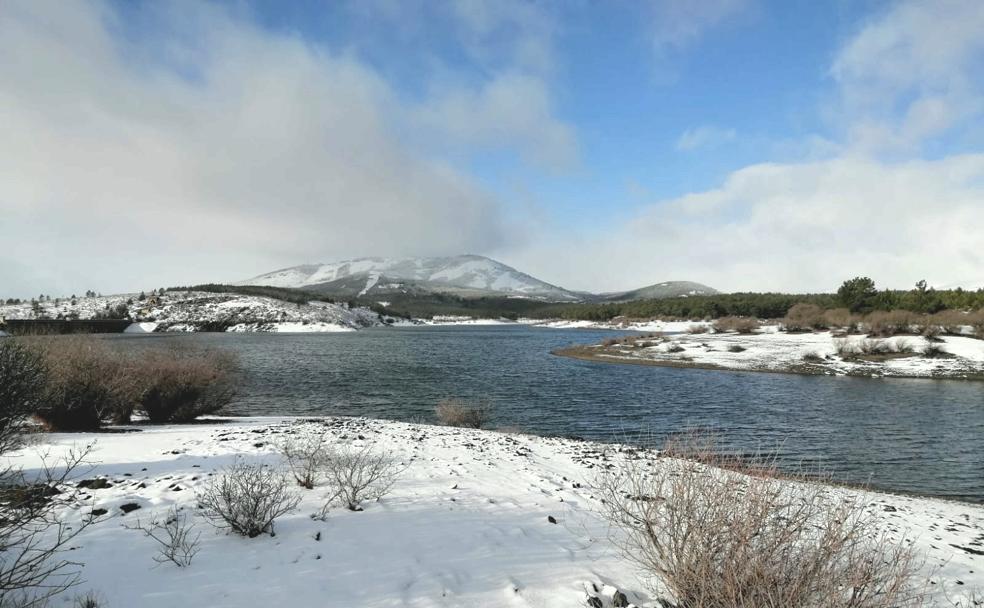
(745, 144)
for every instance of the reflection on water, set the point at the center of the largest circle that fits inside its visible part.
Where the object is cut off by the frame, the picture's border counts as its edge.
(924, 436)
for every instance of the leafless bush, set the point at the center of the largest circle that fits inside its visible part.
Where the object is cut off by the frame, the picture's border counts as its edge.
(247, 498)
(22, 376)
(935, 351)
(179, 385)
(842, 318)
(356, 475)
(307, 458)
(675, 348)
(890, 323)
(174, 534)
(86, 382)
(812, 357)
(33, 536)
(90, 599)
(736, 348)
(952, 321)
(697, 329)
(456, 412)
(804, 317)
(742, 325)
(730, 534)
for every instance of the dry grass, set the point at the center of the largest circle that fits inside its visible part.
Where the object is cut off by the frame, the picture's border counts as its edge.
(741, 325)
(724, 532)
(457, 412)
(697, 329)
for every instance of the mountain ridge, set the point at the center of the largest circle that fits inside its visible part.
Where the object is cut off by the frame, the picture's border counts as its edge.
(466, 275)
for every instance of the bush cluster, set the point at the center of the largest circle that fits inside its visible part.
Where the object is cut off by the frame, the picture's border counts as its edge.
(76, 383)
(456, 412)
(742, 325)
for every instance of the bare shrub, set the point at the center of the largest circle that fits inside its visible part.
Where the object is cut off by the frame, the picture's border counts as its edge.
(841, 318)
(456, 412)
(951, 321)
(804, 317)
(675, 348)
(356, 475)
(33, 536)
(307, 458)
(179, 385)
(935, 351)
(732, 535)
(742, 325)
(22, 377)
(247, 498)
(736, 348)
(90, 599)
(890, 323)
(813, 357)
(175, 536)
(697, 329)
(86, 383)
(870, 346)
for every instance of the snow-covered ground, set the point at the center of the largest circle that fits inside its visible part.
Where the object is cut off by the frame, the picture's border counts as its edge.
(815, 353)
(653, 325)
(195, 310)
(466, 524)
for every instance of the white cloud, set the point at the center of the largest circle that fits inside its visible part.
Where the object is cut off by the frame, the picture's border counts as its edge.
(679, 23)
(911, 74)
(117, 171)
(511, 110)
(868, 205)
(704, 136)
(800, 227)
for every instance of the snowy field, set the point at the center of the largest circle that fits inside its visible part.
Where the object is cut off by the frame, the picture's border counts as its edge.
(470, 522)
(812, 353)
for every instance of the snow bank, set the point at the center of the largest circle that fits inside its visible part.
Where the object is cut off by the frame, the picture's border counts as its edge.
(816, 353)
(465, 525)
(141, 328)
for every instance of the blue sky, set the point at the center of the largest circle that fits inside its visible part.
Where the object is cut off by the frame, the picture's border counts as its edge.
(742, 143)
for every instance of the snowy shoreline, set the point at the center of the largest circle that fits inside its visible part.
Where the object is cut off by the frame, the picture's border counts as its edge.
(467, 523)
(811, 353)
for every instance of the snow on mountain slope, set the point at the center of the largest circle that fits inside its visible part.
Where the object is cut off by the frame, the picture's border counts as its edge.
(204, 311)
(667, 289)
(470, 273)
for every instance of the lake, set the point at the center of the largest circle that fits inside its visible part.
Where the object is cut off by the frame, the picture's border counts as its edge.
(921, 436)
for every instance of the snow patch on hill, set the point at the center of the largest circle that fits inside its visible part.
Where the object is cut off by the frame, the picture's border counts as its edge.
(204, 311)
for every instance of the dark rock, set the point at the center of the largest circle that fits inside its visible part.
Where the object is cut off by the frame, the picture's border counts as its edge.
(94, 484)
(595, 602)
(619, 600)
(551, 519)
(99, 512)
(128, 507)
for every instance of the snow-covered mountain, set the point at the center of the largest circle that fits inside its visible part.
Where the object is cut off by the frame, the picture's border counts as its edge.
(467, 275)
(667, 289)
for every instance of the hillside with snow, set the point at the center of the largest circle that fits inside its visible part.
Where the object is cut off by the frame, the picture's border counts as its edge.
(659, 291)
(200, 311)
(467, 275)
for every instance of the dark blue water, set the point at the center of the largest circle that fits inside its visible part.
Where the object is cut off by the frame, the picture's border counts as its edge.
(923, 436)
